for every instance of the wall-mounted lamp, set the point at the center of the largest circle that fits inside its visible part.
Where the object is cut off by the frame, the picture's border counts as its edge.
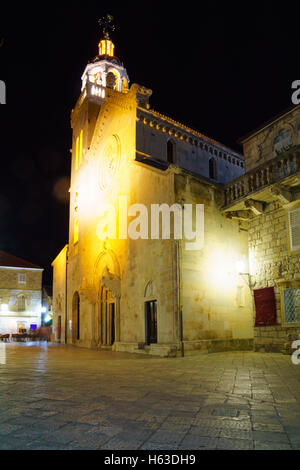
(241, 270)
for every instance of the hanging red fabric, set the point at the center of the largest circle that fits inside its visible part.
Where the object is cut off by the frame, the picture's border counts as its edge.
(265, 304)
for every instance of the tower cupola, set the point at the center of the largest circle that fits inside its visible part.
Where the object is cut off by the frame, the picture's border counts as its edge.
(105, 70)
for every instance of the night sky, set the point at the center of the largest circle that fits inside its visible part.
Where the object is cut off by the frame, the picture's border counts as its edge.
(223, 72)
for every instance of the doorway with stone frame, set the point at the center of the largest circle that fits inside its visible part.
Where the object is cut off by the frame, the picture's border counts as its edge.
(107, 318)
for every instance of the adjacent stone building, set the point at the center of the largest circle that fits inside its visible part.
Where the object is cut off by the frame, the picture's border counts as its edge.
(267, 198)
(20, 294)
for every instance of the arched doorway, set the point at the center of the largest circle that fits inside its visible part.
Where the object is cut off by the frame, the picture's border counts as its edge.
(107, 317)
(76, 318)
(107, 283)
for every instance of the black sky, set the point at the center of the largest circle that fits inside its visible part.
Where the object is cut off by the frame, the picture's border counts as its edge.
(221, 71)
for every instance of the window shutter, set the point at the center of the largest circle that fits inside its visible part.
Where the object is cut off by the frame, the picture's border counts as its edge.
(295, 229)
(265, 304)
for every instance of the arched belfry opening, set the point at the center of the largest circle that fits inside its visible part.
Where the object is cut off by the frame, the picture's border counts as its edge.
(112, 80)
(76, 318)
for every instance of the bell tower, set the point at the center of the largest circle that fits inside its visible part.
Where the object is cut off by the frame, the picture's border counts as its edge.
(105, 70)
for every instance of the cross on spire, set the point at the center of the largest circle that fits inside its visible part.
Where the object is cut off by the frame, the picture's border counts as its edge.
(107, 26)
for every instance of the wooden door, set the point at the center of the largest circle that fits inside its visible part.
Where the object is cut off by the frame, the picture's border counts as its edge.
(151, 322)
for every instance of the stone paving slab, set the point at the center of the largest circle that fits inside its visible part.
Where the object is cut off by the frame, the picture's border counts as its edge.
(55, 397)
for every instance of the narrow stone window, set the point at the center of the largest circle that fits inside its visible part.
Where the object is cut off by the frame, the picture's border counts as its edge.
(76, 231)
(171, 151)
(212, 169)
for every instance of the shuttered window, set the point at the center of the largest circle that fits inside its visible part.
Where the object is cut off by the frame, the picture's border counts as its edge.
(292, 305)
(265, 305)
(294, 216)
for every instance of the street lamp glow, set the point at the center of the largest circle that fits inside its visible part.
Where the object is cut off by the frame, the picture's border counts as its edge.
(241, 267)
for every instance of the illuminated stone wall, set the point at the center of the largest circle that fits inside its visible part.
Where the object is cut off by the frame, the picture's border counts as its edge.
(274, 265)
(217, 304)
(137, 271)
(59, 292)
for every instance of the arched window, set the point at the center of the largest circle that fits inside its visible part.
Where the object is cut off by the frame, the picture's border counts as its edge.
(76, 317)
(282, 142)
(80, 147)
(212, 169)
(171, 151)
(21, 303)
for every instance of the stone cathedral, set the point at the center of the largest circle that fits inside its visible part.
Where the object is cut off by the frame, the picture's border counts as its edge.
(152, 296)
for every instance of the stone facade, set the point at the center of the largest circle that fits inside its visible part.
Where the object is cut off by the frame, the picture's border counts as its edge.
(104, 286)
(217, 305)
(192, 150)
(59, 295)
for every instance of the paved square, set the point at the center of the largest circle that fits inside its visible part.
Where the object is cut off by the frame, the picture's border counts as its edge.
(58, 397)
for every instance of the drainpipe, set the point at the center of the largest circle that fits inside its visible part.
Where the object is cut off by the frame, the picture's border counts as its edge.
(179, 289)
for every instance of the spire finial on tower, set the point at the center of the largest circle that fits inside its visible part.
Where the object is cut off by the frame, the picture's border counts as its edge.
(106, 46)
(107, 25)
